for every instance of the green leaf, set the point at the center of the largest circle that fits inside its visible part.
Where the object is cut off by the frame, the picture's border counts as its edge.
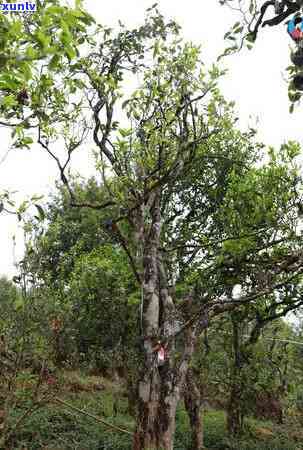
(31, 53)
(70, 52)
(42, 39)
(66, 37)
(236, 25)
(55, 10)
(250, 37)
(40, 211)
(125, 132)
(9, 101)
(37, 197)
(23, 207)
(54, 63)
(19, 303)
(27, 140)
(125, 103)
(238, 30)
(26, 70)
(9, 82)
(156, 49)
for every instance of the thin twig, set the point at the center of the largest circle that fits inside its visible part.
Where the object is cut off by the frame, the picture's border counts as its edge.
(114, 427)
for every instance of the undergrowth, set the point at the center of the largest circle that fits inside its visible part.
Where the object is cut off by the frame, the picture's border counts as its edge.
(56, 427)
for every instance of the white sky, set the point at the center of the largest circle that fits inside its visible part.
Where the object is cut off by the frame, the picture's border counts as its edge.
(255, 81)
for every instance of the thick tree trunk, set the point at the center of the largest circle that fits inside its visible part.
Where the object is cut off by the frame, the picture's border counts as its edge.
(157, 396)
(234, 411)
(193, 406)
(158, 387)
(156, 413)
(159, 393)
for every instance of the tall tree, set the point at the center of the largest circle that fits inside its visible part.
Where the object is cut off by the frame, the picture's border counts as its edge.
(174, 170)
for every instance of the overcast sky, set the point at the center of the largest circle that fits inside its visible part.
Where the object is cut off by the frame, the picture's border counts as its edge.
(256, 81)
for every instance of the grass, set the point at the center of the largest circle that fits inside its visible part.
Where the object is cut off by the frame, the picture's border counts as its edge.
(54, 427)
